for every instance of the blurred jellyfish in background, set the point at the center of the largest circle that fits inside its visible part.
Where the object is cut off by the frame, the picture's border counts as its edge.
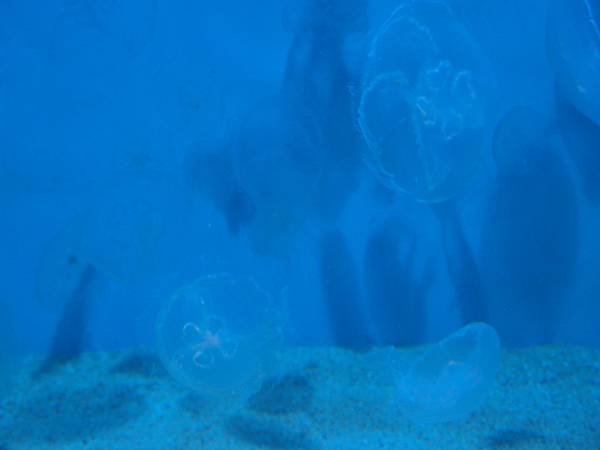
(530, 235)
(573, 46)
(516, 53)
(220, 335)
(573, 40)
(423, 112)
(422, 109)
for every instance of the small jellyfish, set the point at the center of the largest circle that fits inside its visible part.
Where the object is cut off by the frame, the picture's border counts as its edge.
(573, 42)
(452, 378)
(422, 108)
(519, 141)
(219, 335)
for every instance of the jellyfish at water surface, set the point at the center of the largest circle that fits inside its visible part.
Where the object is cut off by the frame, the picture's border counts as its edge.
(220, 335)
(422, 108)
(573, 41)
(452, 378)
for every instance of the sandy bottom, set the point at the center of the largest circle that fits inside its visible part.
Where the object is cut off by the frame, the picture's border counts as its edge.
(324, 398)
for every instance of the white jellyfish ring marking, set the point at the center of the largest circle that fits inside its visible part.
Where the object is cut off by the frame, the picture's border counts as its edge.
(208, 341)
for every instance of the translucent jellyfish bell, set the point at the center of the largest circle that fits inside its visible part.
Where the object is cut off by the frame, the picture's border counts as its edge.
(453, 377)
(422, 110)
(519, 141)
(573, 38)
(219, 335)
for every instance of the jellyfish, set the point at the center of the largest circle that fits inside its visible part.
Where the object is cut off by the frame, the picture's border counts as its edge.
(422, 108)
(530, 237)
(453, 377)
(573, 42)
(220, 334)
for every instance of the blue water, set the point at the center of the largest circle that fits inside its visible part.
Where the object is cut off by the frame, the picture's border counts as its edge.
(384, 172)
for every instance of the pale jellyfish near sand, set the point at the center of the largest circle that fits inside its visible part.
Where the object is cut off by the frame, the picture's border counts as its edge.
(219, 335)
(453, 377)
(422, 108)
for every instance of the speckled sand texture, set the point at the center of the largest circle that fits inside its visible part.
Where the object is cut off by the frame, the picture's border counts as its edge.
(325, 398)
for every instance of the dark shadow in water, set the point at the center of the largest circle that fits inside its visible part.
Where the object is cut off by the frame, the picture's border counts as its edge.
(66, 416)
(460, 261)
(280, 396)
(342, 293)
(529, 245)
(69, 338)
(396, 300)
(140, 363)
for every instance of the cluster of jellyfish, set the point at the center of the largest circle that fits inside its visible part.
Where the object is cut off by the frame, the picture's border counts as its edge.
(221, 336)
(422, 111)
